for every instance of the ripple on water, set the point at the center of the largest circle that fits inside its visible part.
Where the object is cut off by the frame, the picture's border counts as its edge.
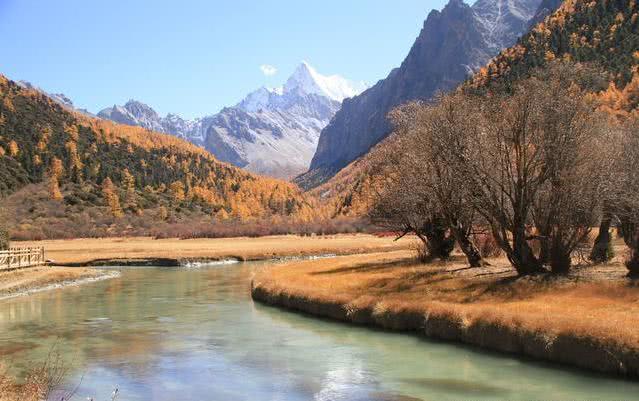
(457, 386)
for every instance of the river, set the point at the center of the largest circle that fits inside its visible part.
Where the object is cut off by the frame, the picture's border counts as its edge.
(167, 334)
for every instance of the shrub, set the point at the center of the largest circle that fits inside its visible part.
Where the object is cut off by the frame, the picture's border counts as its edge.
(4, 238)
(487, 245)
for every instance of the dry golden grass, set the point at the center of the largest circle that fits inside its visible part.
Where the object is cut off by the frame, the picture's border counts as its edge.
(17, 281)
(85, 250)
(595, 301)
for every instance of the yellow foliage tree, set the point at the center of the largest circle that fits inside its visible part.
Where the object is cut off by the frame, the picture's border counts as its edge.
(177, 191)
(111, 197)
(54, 188)
(53, 179)
(128, 182)
(13, 149)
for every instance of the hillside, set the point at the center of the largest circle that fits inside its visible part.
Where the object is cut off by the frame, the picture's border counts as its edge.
(602, 32)
(64, 173)
(452, 44)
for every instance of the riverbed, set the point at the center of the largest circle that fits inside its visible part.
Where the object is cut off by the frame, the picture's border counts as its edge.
(165, 334)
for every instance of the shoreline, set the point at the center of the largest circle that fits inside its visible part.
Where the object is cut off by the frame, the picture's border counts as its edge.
(57, 285)
(146, 251)
(297, 288)
(195, 262)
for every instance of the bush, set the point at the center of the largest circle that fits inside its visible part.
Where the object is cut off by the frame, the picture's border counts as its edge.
(4, 238)
(487, 245)
(4, 233)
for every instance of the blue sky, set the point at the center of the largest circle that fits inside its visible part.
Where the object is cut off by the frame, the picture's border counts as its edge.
(194, 56)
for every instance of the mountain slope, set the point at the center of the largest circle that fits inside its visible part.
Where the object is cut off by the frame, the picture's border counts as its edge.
(60, 168)
(602, 32)
(605, 33)
(452, 44)
(271, 131)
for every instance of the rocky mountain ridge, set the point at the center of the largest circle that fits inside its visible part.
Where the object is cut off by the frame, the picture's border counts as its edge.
(271, 131)
(452, 44)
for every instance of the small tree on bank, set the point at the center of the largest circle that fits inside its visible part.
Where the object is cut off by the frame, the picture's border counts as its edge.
(400, 208)
(4, 232)
(623, 192)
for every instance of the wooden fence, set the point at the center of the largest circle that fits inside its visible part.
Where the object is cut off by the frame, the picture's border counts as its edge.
(17, 258)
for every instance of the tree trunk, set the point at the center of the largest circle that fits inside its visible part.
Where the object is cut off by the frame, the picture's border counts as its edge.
(630, 235)
(468, 248)
(522, 257)
(599, 253)
(440, 245)
(560, 262)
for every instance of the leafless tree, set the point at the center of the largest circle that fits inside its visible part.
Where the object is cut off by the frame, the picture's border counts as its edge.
(428, 130)
(400, 204)
(529, 169)
(622, 195)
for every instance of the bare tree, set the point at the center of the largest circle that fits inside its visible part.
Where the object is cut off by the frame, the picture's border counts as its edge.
(524, 166)
(427, 130)
(400, 205)
(623, 193)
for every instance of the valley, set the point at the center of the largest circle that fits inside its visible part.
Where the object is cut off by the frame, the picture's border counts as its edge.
(478, 204)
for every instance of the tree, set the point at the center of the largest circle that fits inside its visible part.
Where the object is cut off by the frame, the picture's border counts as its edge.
(177, 191)
(426, 131)
(623, 193)
(111, 198)
(403, 201)
(53, 178)
(4, 232)
(530, 168)
(128, 184)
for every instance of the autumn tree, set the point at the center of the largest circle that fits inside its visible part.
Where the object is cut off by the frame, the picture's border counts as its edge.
(128, 185)
(111, 198)
(13, 148)
(178, 194)
(53, 179)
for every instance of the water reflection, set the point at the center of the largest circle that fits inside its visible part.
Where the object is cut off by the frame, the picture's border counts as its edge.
(194, 334)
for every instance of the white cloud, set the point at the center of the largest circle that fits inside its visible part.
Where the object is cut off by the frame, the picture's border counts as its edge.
(268, 70)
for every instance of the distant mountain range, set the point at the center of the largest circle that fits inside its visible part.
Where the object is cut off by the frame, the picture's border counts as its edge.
(322, 123)
(271, 131)
(453, 43)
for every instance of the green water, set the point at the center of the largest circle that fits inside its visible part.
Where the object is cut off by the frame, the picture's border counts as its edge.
(169, 334)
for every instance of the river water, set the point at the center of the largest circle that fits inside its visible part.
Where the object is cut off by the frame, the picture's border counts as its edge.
(169, 334)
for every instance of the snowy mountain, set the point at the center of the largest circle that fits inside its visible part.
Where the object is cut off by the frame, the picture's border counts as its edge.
(271, 131)
(309, 81)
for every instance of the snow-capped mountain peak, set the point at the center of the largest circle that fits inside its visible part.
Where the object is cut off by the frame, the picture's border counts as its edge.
(307, 80)
(272, 131)
(257, 99)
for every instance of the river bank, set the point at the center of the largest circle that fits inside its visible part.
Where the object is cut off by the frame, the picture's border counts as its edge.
(587, 320)
(176, 252)
(23, 282)
(71, 258)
